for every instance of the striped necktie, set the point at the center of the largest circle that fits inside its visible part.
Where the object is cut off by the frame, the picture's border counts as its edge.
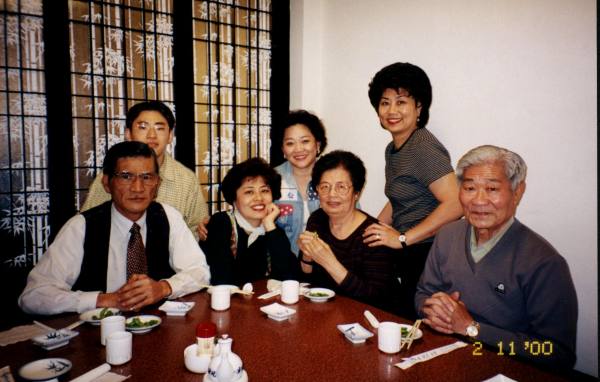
(136, 253)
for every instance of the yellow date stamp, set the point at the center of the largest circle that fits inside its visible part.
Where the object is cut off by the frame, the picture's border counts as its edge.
(535, 348)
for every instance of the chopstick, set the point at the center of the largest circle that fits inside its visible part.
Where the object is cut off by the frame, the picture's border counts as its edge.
(237, 290)
(74, 325)
(241, 291)
(410, 336)
(269, 294)
(43, 326)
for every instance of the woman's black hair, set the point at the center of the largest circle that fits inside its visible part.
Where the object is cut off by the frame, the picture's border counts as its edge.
(345, 159)
(408, 77)
(311, 121)
(250, 168)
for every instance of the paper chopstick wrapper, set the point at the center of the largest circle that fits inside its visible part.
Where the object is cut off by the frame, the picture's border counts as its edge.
(22, 333)
(93, 374)
(269, 294)
(426, 356)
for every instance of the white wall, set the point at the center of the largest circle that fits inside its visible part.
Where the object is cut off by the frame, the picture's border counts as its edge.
(515, 73)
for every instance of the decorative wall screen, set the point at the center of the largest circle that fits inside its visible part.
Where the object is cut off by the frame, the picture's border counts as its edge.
(121, 54)
(232, 54)
(24, 205)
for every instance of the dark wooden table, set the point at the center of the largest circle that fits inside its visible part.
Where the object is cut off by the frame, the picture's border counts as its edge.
(306, 347)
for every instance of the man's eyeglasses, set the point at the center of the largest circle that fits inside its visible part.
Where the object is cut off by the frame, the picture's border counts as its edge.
(342, 189)
(147, 178)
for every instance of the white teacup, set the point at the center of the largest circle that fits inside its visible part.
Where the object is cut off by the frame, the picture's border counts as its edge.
(118, 348)
(111, 325)
(220, 298)
(290, 291)
(388, 337)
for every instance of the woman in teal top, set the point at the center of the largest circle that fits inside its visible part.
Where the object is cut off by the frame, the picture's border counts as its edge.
(303, 141)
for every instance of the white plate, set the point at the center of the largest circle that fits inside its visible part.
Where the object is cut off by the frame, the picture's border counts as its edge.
(44, 369)
(231, 288)
(89, 315)
(176, 308)
(143, 318)
(418, 335)
(54, 339)
(328, 294)
(355, 332)
(277, 311)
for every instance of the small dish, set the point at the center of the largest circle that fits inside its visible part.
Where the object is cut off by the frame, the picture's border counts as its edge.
(355, 332)
(54, 339)
(142, 323)
(277, 311)
(319, 294)
(194, 362)
(176, 308)
(94, 316)
(44, 369)
(404, 329)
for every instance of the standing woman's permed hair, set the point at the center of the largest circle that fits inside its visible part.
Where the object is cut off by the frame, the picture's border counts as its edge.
(408, 77)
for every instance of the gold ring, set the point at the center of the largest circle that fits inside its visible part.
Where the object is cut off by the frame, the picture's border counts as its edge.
(315, 235)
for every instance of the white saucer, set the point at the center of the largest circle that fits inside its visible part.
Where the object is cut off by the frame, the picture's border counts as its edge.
(176, 308)
(54, 339)
(44, 369)
(278, 312)
(355, 332)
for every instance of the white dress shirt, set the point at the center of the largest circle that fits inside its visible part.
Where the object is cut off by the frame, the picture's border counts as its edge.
(49, 283)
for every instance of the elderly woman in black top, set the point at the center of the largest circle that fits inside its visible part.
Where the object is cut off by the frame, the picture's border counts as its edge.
(245, 244)
(333, 254)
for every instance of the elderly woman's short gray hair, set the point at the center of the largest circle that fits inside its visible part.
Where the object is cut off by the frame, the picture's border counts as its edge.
(514, 166)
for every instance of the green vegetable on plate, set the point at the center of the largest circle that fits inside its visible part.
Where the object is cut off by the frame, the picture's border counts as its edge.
(137, 323)
(105, 312)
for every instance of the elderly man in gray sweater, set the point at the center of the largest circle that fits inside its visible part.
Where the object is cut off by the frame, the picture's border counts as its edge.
(491, 278)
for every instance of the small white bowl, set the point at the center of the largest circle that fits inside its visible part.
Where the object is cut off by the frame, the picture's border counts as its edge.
(194, 362)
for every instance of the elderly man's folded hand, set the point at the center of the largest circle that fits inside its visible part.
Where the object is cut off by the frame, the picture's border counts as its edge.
(140, 291)
(439, 310)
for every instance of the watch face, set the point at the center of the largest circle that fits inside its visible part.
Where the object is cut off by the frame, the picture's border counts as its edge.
(472, 331)
(402, 238)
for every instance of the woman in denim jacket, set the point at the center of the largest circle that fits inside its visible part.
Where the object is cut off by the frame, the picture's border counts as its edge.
(303, 141)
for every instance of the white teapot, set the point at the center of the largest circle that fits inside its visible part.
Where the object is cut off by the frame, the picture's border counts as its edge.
(225, 366)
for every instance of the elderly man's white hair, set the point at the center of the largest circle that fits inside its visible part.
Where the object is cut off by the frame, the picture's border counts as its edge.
(514, 166)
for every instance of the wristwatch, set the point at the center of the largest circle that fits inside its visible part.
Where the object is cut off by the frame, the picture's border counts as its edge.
(402, 239)
(473, 329)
